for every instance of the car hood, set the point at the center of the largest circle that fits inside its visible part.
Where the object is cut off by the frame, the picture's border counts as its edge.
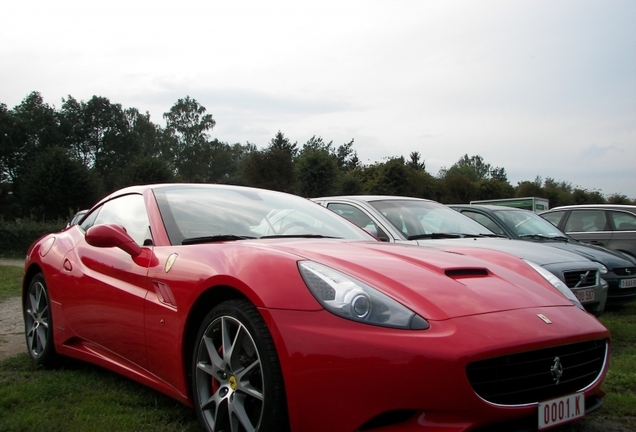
(608, 258)
(437, 284)
(538, 253)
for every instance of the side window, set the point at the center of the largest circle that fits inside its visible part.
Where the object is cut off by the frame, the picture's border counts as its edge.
(586, 221)
(90, 219)
(553, 217)
(484, 220)
(358, 217)
(623, 221)
(128, 211)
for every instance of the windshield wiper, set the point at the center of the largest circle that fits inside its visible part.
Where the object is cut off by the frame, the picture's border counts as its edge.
(214, 238)
(296, 236)
(543, 237)
(433, 236)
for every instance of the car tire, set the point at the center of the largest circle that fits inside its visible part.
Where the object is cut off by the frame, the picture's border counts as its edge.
(236, 377)
(38, 323)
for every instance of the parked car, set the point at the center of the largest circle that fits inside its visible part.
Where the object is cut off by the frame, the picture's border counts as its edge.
(428, 223)
(608, 225)
(177, 287)
(617, 269)
(76, 218)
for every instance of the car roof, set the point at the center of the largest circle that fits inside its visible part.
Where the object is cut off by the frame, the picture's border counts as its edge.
(369, 198)
(487, 207)
(631, 208)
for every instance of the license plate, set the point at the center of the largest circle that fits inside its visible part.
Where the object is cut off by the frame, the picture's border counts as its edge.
(585, 295)
(628, 283)
(562, 410)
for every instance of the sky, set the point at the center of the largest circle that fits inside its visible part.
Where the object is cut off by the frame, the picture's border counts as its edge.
(542, 88)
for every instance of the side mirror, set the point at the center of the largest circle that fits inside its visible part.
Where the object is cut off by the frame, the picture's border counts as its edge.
(111, 235)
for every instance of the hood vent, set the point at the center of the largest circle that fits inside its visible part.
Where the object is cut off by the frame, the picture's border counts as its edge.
(466, 273)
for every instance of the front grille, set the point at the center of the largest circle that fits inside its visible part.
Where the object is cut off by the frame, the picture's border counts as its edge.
(527, 377)
(580, 278)
(627, 271)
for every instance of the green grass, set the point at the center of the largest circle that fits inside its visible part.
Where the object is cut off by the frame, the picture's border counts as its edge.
(10, 281)
(82, 397)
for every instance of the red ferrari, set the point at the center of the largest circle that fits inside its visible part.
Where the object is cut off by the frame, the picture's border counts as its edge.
(267, 312)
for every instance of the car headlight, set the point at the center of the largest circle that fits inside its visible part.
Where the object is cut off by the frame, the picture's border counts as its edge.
(601, 267)
(351, 299)
(556, 283)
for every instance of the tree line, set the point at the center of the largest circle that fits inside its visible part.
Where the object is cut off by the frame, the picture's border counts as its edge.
(54, 162)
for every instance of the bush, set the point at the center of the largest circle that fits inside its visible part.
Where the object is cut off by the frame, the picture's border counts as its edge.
(17, 236)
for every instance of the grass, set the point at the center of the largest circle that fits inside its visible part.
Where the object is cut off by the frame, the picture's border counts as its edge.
(83, 397)
(10, 281)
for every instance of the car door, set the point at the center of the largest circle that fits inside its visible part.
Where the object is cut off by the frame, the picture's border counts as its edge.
(623, 224)
(589, 226)
(105, 305)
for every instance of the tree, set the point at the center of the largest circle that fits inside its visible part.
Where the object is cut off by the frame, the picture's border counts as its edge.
(74, 130)
(316, 171)
(279, 142)
(29, 128)
(619, 199)
(347, 157)
(145, 170)
(271, 168)
(457, 189)
(472, 167)
(38, 122)
(414, 162)
(187, 126)
(530, 189)
(143, 133)
(393, 177)
(8, 146)
(57, 185)
(494, 189)
(105, 134)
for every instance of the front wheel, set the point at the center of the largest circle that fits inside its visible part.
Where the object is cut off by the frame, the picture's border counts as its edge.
(237, 381)
(38, 323)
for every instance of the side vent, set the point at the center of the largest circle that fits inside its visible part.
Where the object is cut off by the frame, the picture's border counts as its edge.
(466, 273)
(164, 294)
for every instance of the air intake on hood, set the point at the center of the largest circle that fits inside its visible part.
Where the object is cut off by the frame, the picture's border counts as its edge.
(466, 273)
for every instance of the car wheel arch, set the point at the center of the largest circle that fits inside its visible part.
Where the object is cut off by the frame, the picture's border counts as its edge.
(206, 301)
(29, 274)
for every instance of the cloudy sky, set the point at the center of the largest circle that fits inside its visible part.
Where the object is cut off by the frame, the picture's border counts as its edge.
(539, 87)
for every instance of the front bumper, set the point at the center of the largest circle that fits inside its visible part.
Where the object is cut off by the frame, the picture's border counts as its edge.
(345, 376)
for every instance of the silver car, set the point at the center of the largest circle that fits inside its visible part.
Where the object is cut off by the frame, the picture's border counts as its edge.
(609, 225)
(428, 223)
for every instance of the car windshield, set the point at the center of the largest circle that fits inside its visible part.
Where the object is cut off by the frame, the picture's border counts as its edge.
(422, 219)
(205, 213)
(528, 224)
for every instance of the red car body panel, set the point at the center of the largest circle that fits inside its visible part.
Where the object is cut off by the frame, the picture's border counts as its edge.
(135, 317)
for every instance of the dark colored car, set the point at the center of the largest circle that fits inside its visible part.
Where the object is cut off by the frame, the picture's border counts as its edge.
(608, 225)
(619, 269)
(76, 218)
(266, 312)
(424, 222)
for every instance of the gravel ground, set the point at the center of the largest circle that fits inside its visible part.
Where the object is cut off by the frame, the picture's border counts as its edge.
(11, 323)
(11, 328)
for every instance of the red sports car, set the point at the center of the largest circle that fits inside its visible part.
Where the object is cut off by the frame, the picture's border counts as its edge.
(267, 312)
